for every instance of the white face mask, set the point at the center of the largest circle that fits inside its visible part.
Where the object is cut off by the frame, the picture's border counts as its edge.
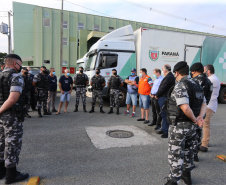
(140, 74)
(162, 73)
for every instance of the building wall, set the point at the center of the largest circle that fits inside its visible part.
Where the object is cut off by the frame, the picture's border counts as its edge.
(37, 42)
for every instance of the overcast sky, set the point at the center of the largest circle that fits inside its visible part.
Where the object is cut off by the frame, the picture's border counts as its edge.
(200, 15)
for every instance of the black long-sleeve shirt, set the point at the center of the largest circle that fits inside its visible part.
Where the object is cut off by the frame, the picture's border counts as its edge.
(165, 85)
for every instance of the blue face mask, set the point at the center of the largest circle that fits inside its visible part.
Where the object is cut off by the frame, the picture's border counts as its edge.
(140, 74)
(133, 74)
(54, 73)
(68, 74)
(155, 76)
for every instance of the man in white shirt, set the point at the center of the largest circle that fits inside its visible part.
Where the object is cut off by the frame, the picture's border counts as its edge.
(212, 106)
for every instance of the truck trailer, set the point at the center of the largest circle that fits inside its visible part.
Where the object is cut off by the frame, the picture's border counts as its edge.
(124, 49)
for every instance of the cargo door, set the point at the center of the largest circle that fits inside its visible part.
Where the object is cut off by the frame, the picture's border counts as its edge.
(192, 54)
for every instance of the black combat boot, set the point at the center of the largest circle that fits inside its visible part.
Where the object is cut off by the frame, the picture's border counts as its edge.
(117, 112)
(84, 108)
(92, 110)
(2, 170)
(101, 110)
(46, 112)
(186, 177)
(111, 110)
(76, 108)
(196, 158)
(170, 182)
(12, 175)
(39, 113)
(27, 115)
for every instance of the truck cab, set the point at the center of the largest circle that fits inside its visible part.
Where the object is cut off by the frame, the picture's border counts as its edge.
(113, 51)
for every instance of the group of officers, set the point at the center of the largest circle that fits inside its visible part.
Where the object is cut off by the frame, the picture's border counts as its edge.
(186, 107)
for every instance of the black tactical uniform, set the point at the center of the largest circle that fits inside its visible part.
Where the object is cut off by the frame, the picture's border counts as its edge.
(207, 86)
(11, 124)
(42, 95)
(80, 82)
(182, 129)
(97, 86)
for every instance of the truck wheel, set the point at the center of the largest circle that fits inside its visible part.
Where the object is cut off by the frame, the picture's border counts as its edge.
(122, 96)
(222, 95)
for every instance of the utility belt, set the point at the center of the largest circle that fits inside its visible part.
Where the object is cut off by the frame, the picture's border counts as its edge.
(173, 120)
(81, 86)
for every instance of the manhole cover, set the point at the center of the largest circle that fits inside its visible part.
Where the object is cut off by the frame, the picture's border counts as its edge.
(119, 134)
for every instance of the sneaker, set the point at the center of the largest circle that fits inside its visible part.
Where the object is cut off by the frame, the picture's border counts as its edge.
(141, 119)
(146, 121)
(133, 115)
(126, 113)
(203, 149)
(164, 135)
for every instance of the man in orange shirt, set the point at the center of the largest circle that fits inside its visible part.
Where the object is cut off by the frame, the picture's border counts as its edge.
(144, 89)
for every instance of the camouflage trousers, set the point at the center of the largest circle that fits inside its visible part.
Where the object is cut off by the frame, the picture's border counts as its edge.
(99, 94)
(197, 141)
(28, 100)
(80, 91)
(11, 131)
(42, 99)
(180, 150)
(114, 98)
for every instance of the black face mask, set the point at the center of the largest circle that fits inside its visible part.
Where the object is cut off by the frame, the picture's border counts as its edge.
(26, 73)
(115, 73)
(19, 70)
(191, 74)
(97, 72)
(81, 71)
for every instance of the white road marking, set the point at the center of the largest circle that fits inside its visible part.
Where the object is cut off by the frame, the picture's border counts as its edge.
(101, 140)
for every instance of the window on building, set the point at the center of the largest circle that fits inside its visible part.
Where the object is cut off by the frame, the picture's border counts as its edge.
(80, 26)
(96, 27)
(64, 63)
(46, 22)
(110, 29)
(46, 61)
(108, 61)
(65, 41)
(64, 24)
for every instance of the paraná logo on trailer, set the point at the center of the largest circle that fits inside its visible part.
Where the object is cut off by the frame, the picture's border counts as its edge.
(154, 55)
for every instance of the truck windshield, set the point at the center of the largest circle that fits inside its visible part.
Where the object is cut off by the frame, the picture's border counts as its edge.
(90, 65)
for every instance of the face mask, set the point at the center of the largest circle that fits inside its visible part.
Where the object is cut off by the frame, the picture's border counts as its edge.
(81, 71)
(140, 74)
(68, 74)
(97, 72)
(29, 71)
(133, 74)
(191, 74)
(155, 76)
(19, 70)
(25, 73)
(54, 73)
(115, 73)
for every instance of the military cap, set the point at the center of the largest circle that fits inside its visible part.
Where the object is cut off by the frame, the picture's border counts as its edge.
(179, 65)
(13, 56)
(196, 67)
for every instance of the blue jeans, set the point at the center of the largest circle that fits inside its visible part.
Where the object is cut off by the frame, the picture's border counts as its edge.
(165, 124)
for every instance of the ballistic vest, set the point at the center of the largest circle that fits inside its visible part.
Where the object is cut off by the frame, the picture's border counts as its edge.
(132, 89)
(81, 80)
(206, 85)
(43, 82)
(196, 95)
(115, 82)
(97, 84)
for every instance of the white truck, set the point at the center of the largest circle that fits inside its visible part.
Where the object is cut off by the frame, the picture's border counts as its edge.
(124, 49)
(81, 62)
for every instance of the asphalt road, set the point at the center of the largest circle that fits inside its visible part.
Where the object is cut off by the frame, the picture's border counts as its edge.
(58, 149)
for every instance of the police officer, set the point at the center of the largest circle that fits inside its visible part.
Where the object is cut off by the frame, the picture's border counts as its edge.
(33, 94)
(26, 91)
(11, 119)
(114, 82)
(185, 109)
(80, 81)
(196, 72)
(40, 83)
(97, 83)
